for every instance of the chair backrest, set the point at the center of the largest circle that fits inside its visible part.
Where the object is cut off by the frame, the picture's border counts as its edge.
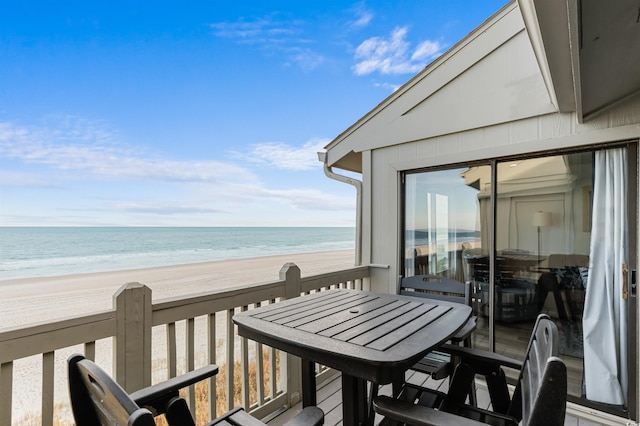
(436, 287)
(96, 399)
(540, 397)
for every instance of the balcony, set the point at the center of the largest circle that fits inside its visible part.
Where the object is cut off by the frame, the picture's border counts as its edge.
(140, 343)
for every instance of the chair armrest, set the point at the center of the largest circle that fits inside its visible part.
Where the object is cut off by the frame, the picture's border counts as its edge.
(466, 330)
(418, 415)
(481, 359)
(157, 395)
(309, 416)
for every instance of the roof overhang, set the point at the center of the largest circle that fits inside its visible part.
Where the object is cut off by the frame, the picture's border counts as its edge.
(588, 51)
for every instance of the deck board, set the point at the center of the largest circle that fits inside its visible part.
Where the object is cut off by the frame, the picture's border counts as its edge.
(329, 399)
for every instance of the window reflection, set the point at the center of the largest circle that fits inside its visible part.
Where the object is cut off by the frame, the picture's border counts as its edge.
(543, 227)
(541, 244)
(443, 225)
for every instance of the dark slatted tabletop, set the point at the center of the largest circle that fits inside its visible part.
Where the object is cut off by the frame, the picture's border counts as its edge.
(336, 327)
(367, 336)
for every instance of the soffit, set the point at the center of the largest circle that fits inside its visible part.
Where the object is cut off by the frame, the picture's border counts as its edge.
(588, 51)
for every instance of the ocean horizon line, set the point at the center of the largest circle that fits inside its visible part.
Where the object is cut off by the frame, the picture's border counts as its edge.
(27, 252)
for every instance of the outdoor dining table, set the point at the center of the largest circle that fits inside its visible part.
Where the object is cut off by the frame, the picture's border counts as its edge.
(367, 336)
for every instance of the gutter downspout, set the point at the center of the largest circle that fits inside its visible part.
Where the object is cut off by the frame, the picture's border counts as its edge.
(322, 156)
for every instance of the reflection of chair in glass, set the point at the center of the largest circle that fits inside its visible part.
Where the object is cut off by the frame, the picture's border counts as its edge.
(566, 275)
(539, 398)
(438, 364)
(416, 264)
(516, 300)
(516, 296)
(96, 399)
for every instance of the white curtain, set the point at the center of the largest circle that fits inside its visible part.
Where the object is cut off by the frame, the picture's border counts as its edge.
(605, 312)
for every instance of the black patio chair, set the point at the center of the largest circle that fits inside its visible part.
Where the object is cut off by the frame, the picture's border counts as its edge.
(438, 364)
(539, 398)
(96, 399)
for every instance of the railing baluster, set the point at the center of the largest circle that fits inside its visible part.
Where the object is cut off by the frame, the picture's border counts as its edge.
(230, 360)
(6, 392)
(259, 370)
(211, 333)
(130, 325)
(273, 366)
(244, 369)
(190, 349)
(48, 370)
(171, 350)
(90, 350)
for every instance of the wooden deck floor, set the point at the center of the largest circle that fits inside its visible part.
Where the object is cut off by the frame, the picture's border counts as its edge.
(512, 340)
(330, 397)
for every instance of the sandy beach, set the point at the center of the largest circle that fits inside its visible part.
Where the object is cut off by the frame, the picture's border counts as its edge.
(31, 300)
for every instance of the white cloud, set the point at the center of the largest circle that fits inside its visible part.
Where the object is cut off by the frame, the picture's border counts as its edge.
(129, 186)
(258, 31)
(163, 208)
(306, 59)
(389, 86)
(21, 179)
(427, 51)
(274, 37)
(92, 150)
(287, 157)
(311, 199)
(363, 16)
(393, 55)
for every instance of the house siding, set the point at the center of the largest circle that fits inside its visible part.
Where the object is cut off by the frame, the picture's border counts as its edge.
(536, 134)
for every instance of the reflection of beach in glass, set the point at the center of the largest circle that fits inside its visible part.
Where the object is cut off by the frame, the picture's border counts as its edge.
(442, 214)
(438, 253)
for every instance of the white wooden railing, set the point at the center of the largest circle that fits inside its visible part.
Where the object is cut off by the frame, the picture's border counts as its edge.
(150, 342)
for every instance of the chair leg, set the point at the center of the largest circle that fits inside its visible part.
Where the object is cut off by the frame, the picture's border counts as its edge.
(473, 398)
(498, 391)
(461, 381)
(178, 413)
(373, 392)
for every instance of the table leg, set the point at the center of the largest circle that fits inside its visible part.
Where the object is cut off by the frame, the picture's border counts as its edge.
(354, 400)
(308, 383)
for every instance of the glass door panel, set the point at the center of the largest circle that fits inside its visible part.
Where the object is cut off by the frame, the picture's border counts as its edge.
(560, 245)
(543, 207)
(445, 228)
(565, 225)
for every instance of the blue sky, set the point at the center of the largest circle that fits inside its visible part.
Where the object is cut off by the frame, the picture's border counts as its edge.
(198, 113)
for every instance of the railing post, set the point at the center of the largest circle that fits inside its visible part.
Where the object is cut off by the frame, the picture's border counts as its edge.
(290, 273)
(132, 343)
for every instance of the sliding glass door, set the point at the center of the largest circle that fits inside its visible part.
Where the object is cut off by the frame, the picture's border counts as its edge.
(443, 226)
(554, 234)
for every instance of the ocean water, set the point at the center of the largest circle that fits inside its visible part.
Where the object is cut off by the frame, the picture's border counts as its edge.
(39, 251)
